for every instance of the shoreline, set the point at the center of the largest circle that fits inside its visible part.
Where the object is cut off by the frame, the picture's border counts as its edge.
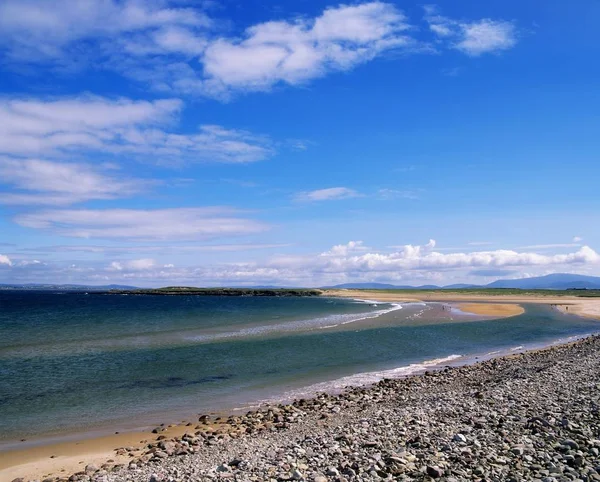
(572, 305)
(119, 450)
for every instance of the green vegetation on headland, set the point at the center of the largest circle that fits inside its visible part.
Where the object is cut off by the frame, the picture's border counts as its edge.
(187, 291)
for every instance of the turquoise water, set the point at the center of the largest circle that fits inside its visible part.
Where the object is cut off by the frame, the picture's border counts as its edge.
(78, 362)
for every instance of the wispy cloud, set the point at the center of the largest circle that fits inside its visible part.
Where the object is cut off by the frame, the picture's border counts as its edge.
(168, 248)
(32, 31)
(158, 224)
(388, 194)
(45, 182)
(122, 126)
(550, 246)
(493, 273)
(328, 194)
(134, 264)
(473, 38)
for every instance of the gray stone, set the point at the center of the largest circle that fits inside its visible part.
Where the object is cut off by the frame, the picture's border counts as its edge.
(434, 471)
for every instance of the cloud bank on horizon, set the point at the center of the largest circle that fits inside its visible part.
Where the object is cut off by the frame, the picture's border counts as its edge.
(237, 145)
(342, 263)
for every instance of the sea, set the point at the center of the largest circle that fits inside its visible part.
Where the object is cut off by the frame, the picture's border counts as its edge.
(83, 362)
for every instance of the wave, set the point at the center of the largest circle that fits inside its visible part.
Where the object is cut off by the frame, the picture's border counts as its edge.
(363, 379)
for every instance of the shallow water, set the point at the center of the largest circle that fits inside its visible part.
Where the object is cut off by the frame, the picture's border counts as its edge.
(77, 362)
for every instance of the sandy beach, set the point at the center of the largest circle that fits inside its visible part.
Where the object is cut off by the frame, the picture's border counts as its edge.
(587, 307)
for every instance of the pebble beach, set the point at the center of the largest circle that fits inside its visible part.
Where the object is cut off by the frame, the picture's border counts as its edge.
(531, 416)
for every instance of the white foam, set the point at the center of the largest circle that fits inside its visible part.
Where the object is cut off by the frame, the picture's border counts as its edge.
(320, 323)
(365, 379)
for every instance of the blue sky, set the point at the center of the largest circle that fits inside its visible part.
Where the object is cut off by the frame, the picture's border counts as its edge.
(238, 143)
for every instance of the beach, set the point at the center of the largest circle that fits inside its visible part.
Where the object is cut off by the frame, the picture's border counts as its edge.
(587, 307)
(528, 416)
(263, 444)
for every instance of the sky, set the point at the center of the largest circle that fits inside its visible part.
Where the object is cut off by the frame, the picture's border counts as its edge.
(308, 143)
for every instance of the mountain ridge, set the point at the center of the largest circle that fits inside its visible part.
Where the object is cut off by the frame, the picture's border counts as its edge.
(555, 281)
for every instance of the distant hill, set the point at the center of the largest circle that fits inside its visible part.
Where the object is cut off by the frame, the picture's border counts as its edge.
(557, 281)
(380, 286)
(365, 286)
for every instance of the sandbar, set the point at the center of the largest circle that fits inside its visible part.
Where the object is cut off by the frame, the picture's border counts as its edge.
(500, 310)
(586, 307)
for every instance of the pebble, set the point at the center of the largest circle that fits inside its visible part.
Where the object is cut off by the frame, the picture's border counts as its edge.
(529, 417)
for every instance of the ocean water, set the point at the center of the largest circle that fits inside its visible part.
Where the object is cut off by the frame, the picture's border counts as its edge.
(76, 362)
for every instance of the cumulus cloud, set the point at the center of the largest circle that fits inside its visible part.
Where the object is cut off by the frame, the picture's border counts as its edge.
(345, 249)
(410, 264)
(153, 224)
(472, 38)
(294, 52)
(5, 260)
(121, 126)
(424, 258)
(329, 194)
(40, 181)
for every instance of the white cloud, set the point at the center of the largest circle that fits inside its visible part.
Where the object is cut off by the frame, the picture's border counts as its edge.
(345, 249)
(5, 260)
(487, 36)
(424, 258)
(175, 46)
(472, 38)
(577, 239)
(46, 182)
(332, 193)
(298, 51)
(54, 127)
(157, 224)
(32, 30)
(409, 264)
(134, 265)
